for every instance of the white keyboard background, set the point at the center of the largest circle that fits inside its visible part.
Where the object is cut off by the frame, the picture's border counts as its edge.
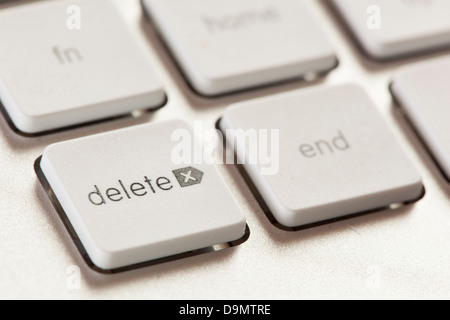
(390, 254)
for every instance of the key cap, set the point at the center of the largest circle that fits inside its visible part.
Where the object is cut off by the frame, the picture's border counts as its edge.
(130, 203)
(81, 65)
(231, 45)
(422, 91)
(334, 155)
(389, 29)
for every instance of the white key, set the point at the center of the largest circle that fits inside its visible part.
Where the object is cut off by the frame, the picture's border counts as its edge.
(230, 45)
(336, 155)
(129, 203)
(423, 93)
(54, 75)
(392, 28)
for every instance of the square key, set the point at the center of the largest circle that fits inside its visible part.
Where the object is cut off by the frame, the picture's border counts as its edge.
(66, 63)
(330, 155)
(422, 92)
(129, 202)
(388, 29)
(223, 46)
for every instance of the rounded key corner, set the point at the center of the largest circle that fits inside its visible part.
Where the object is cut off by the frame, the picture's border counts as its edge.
(217, 124)
(162, 104)
(391, 87)
(393, 91)
(131, 114)
(304, 78)
(420, 196)
(368, 52)
(70, 229)
(180, 256)
(377, 51)
(390, 207)
(133, 267)
(334, 66)
(206, 86)
(12, 125)
(37, 164)
(214, 94)
(276, 223)
(290, 227)
(384, 58)
(41, 177)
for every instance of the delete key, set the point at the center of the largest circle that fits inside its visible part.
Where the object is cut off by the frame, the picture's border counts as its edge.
(131, 205)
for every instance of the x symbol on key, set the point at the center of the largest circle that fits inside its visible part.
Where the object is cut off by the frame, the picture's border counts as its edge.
(187, 176)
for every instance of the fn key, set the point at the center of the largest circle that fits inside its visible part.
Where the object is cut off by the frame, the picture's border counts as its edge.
(65, 63)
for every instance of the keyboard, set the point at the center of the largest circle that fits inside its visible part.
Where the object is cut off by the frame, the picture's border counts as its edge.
(165, 149)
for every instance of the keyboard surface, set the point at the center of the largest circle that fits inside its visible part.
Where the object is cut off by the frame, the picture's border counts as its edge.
(388, 255)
